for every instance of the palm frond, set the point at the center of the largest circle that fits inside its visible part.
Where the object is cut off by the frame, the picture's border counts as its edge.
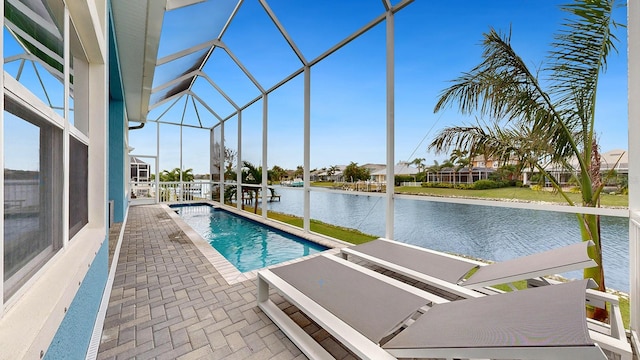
(500, 87)
(578, 56)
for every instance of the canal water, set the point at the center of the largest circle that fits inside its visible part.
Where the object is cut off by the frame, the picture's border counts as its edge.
(486, 232)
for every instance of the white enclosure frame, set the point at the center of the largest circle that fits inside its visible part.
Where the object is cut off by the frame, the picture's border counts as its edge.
(388, 17)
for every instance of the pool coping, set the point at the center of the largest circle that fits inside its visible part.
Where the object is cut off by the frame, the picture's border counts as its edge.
(226, 269)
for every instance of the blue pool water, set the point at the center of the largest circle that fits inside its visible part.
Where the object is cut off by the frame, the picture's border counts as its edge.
(248, 245)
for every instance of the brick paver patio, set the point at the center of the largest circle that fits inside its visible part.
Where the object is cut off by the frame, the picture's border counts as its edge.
(169, 302)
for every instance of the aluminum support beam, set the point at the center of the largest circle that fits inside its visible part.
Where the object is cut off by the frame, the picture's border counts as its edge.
(243, 69)
(205, 105)
(224, 95)
(283, 32)
(174, 124)
(239, 165)
(177, 80)
(269, 91)
(181, 189)
(335, 48)
(2, 164)
(222, 161)
(390, 125)
(633, 31)
(307, 150)
(157, 182)
(265, 175)
(65, 140)
(212, 157)
(188, 51)
(231, 17)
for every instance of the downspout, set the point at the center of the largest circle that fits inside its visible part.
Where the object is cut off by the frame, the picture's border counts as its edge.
(137, 127)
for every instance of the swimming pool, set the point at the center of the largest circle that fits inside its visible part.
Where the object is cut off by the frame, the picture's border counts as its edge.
(246, 244)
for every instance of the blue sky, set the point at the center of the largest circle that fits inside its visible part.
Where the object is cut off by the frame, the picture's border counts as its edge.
(435, 42)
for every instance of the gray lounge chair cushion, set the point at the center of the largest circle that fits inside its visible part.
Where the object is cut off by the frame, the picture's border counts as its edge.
(549, 262)
(437, 265)
(372, 307)
(544, 316)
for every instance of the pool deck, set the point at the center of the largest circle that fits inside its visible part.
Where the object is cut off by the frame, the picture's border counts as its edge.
(172, 299)
(168, 301)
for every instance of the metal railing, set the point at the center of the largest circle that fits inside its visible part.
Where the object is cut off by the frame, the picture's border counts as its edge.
(174, 191)
(21, 196)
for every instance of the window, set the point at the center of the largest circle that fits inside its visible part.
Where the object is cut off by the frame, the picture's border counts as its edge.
(33, 194)
(78, 186)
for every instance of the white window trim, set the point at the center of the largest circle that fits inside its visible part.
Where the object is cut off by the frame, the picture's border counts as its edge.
(30, 319)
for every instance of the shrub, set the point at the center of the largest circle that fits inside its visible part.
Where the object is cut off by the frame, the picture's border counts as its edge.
(478, 185)
(465, 186)
(536, 187)
(437, 185)
(403, 178)
(486, 184)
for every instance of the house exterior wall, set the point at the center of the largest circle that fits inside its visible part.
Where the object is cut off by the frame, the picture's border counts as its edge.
(51, 314)
(74, 334)
(117, 155)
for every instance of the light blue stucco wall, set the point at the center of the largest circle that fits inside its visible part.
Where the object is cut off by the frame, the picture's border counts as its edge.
(117, 131)
(74, 334)
(116, 160)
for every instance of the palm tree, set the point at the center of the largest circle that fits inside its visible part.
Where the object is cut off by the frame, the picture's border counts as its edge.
(435, 168)
(276, 173)
(449, 165)
(459, 157)
(542, 120)
(419, 163)
(332, 170)
(252, 175)
(174, 175)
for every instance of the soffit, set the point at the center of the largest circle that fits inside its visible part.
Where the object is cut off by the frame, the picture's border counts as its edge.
(137, 28)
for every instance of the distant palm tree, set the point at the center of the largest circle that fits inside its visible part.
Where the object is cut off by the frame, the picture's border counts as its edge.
(542, 121)
(332, 170)
(435, 168)
(419, 163)
(174, 175)
(276, 173)
(449, 165)
(459, 157)
(252, 175)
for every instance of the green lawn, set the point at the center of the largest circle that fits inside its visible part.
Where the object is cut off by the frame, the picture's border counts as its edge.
(328, 184)
(337, 232)
(525, 194)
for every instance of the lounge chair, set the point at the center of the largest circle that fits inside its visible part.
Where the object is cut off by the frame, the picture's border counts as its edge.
(440, 269)
(455, 275)
(378, 317)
